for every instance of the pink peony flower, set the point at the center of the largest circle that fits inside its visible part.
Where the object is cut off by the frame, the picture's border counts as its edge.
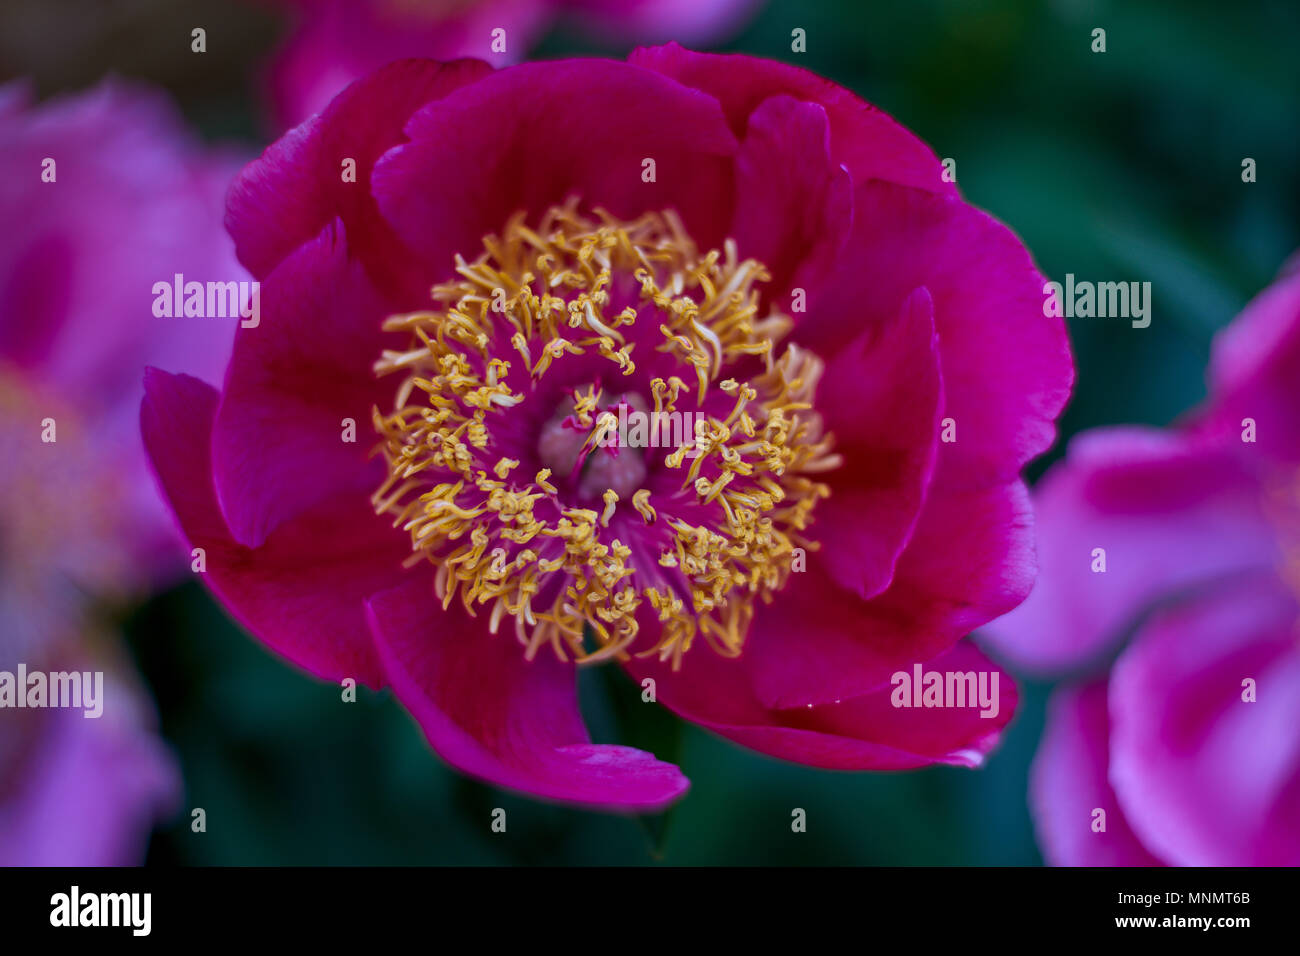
(75, 790)
(339, 41)
(80, 791)
(106, 195)
(718, 237)
(1190, 747)
(134, 199)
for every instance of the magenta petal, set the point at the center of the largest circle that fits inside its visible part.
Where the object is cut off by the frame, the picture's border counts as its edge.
(956, 574)
(864, 139)
(138, 200)
(90, 792)
(1170, 514)
(796, 659)
(1207, 778)
(532, 136)
(624, 22)
(794, 204)
(881, 396)
(1068, 785)
(1006, 366)
(862, 733)
(509, 721)
(1254, 370)
(297, 189)
(342, 40)
(970, 560)
(303, 591)
(277, 445)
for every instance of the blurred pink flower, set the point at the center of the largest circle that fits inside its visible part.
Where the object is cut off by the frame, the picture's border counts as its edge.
(793, 266)
(1200, 528)
(85, 791)
(338, 41)
(74, 790)
(103, 194)
(135, 200)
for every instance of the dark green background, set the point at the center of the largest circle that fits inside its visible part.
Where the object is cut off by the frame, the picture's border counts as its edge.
(1117, 166)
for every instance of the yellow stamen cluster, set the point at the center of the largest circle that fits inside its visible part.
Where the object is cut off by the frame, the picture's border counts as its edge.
(543, 297)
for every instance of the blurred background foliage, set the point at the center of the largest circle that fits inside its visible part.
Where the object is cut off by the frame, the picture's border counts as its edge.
(1117, 166)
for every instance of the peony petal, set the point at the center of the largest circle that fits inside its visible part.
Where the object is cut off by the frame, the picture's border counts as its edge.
(1254, 371)
(881, 397)
(969, 561)
(491, 713)
(138, 201)
(864, 139)
(89, 790)
(1067, 785)
(531, 136)
(342, 41)
(297, 188)
(862, 733)
(624, 22)
(1170, 514)
(278, 444)
(794, 205)
(302, 592)
(1206, 777)
(1006, 367)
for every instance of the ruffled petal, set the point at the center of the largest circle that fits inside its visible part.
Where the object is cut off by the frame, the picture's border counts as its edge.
(1170, 514)
(1006, 366)
(864, 139)
(970, 560)
(342, 41)
(867, 732)
(1254, 371)
(881, 397)
(532, 136)
(1206, 777)
(297, 187)
(91, 790)
(493, 714)
(301, 592)
(794, 204)
(278, 445)
(138, 201)
(1068, 785)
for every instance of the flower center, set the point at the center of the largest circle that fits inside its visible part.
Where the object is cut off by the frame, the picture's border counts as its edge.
(591, 451)
(592, 497)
